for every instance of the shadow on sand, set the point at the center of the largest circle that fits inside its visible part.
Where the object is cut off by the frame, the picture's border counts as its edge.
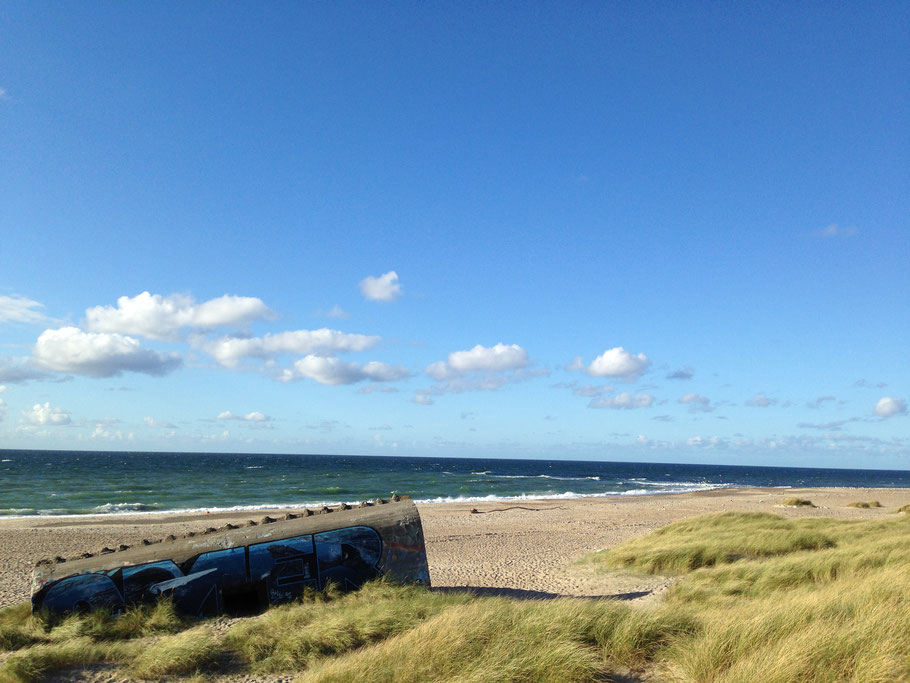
(520, 594)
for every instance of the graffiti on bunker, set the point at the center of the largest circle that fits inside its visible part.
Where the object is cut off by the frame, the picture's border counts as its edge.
(242, 578)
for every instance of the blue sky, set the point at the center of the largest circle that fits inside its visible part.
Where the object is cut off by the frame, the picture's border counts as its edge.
(608, 231)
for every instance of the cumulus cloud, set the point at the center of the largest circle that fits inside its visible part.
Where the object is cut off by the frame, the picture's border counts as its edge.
(44, 415)
(835, 230)
(481, 359)
(623, 400)
(615, 362)
(819, 402)
(20, 310)
(760, 401)
(697, 403)
(337, 311)
(334, 371)
(254, 416)
(481, 368)
(383, 288)
(103, 434)
(229, 351)
(69, 349)
(423, 399)
(17, 370)
(158, 317)
(159, 424)
(888, 406)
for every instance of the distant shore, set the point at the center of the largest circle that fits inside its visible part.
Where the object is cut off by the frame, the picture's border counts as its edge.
(522, 548)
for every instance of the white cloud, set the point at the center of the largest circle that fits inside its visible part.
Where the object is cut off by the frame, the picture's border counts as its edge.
(423, 399)
(101, 433)
(69, 349)
(888, 406)
(16, 370)
(337, 311)
(835, 230)
(334, 371)
(254, 416)
(158, 317)
(481, 368)
(697, 402)
(3, 388)
(383, 288)
(760, 401)
(44, 414)
(498, 358)
(615, 362)
(229, 351)
(623, 400)
(159, 424)
(21, 310)
(710, 442)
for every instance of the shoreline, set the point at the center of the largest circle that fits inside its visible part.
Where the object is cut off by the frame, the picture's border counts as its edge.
(521, 547)
(164, 516)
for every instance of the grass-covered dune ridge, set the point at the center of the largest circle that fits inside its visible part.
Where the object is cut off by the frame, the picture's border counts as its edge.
(757, 597)
(715, 539)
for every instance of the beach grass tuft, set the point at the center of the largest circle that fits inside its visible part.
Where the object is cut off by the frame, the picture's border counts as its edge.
(865, 504)
(189, 652)
(798, 503)
(904, 509)
(293, 636)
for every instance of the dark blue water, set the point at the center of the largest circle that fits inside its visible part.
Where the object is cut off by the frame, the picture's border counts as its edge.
(67, 482)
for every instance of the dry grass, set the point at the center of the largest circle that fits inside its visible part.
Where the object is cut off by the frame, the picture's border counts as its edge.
(190, 652)
(496, 639)
(714, 539)
(761, 598)
(834, 613)
(293, 636)
(798, 503)
(865, 504)
(904, 509)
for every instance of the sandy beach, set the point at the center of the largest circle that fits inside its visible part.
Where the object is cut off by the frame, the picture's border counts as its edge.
(523, 549)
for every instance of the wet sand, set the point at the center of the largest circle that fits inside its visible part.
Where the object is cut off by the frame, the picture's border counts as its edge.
(523, 549)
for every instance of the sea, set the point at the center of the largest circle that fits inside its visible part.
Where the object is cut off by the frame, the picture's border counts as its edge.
(45, 483)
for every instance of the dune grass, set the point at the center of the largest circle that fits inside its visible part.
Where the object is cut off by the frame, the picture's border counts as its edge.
(798, 503)
(904, 508)
(190, 652)
(838, 611)
(714, 539)
(758, 597)
(497, 639)
(865, 504)
(324, 624)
